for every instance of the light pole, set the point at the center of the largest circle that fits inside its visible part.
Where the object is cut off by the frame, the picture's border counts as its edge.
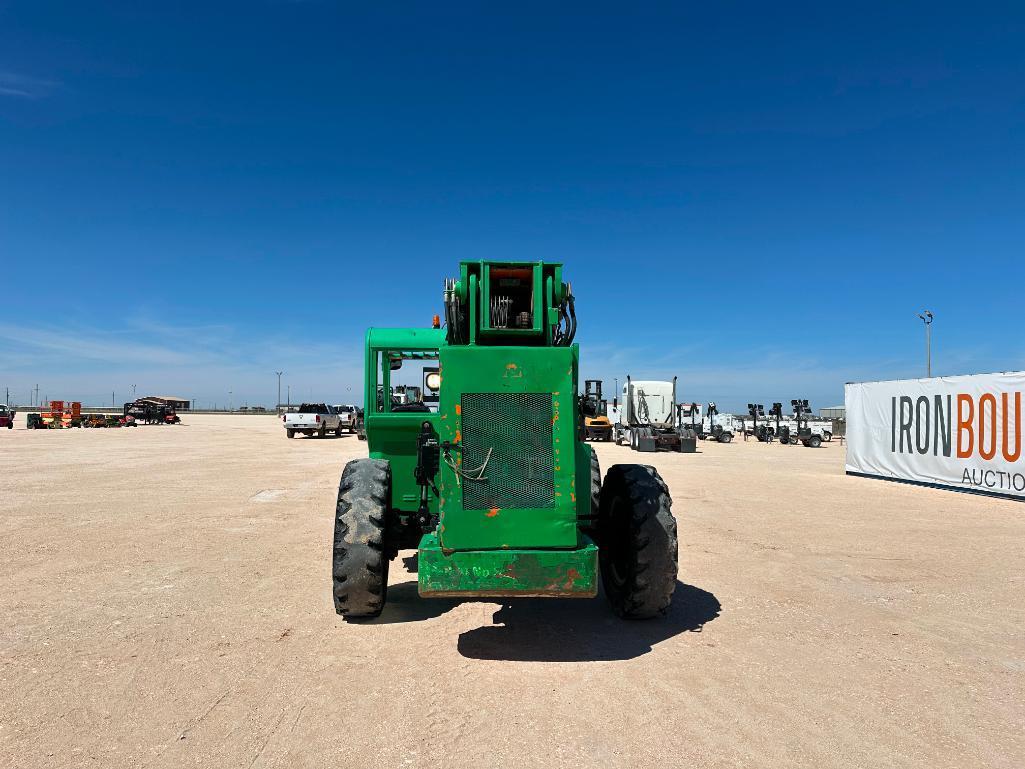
(926, 317)
(133, 392)
(229, 401)
(278, 404)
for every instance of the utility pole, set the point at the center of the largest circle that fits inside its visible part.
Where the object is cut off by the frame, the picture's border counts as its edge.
(278, 404)
(229, 401)
(289, 394)
(133, 392)
(37, 396)
(926, 317)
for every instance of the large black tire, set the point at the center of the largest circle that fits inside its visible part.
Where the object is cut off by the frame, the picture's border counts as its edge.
(322, 431)
(638, 545)
(725, 437)
(338, 430)
(827, 436)
(290, 433)
(814, 442)
(360, 568)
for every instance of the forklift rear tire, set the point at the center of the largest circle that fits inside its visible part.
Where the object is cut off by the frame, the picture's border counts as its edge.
(359, 566)
(814, 442)
(726, 438)
(637, 542)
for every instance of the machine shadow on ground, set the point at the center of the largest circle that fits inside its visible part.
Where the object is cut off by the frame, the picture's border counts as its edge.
(554, 629)
(575, 630)
(404, 604)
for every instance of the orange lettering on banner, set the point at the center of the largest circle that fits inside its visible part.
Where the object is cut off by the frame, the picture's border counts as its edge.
(964, 425)
(990, 430)
(1008, 454)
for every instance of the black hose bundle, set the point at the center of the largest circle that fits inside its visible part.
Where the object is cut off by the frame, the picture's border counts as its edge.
(455, 317)
(564, 334)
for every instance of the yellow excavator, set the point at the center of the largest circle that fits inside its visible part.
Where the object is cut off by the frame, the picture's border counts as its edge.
(597, 427)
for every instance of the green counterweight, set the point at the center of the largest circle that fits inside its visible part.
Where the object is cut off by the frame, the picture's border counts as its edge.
(480, 462)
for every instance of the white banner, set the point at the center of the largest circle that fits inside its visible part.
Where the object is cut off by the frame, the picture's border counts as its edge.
(963, 432)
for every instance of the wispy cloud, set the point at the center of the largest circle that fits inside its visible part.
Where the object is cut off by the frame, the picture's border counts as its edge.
(197, 361)
(24, 86)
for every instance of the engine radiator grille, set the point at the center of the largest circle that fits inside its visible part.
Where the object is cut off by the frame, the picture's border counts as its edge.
(517, 427)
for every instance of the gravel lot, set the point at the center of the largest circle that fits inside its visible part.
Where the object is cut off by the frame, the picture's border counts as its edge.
(165, 597)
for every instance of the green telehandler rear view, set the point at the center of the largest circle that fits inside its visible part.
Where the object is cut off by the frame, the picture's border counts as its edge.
(495, 486)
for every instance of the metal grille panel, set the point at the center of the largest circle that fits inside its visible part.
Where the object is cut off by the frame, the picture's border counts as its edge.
(517, 427)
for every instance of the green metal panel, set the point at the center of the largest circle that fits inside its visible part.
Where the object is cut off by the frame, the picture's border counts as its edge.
(502, 370)
(393, 436)
(500, 573)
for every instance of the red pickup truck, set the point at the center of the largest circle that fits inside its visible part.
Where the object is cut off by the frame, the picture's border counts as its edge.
(6, 416)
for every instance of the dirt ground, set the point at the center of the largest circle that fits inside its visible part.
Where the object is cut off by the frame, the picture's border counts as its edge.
(165, 600)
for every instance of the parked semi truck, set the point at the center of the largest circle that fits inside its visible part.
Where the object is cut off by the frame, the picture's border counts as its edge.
(647, 420)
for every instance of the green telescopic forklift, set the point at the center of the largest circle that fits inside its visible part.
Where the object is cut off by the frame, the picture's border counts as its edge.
(495, 486)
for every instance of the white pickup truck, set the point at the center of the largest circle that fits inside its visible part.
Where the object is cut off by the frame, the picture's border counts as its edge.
(312, 419)
(346, 415)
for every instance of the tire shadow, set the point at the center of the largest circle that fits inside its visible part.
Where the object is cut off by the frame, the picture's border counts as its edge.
(574, 630)
(404, 604)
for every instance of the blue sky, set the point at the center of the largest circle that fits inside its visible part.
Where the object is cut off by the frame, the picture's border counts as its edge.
(757, 198)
